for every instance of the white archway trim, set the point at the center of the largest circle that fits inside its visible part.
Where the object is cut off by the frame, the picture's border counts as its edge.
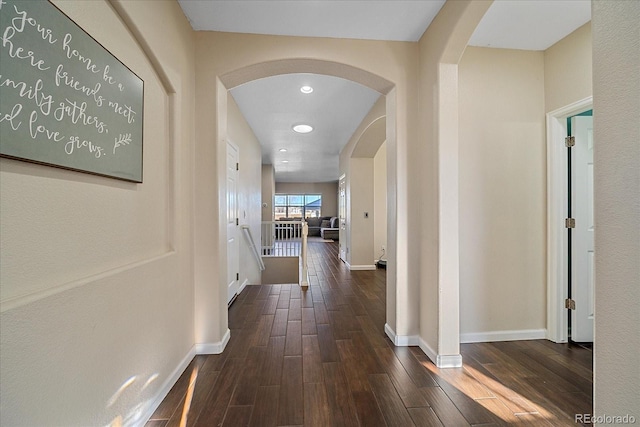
(556, 212)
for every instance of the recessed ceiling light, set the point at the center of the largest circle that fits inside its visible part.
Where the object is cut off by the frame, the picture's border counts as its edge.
(302, 128)
(283, 150)
(285, 161)
(306, 89)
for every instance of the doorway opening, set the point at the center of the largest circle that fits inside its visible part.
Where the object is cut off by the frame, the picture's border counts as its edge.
(233, 247)
(257, 71)
(580, 228)
(560, 207)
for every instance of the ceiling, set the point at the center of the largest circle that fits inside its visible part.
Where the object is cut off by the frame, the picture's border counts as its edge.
(530, 24)
(336, 107)
(399, 20)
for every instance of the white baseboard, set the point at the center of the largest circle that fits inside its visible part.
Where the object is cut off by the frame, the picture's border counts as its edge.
(214, 348)
(426, 349)
(166, 386)
(492, 336)
(244, 285)
(390, 333)
(449, 361)
(455, 360)
(360, 267)
(441, 361)
(202, 348)
(400, 340)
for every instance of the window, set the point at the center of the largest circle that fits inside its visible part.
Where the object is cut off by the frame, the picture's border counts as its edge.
(297, 206)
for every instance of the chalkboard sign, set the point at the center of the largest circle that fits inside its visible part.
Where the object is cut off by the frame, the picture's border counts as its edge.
(65, 100)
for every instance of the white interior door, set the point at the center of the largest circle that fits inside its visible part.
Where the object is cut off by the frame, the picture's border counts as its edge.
(582, 250)
(233, 248)
(342, 215)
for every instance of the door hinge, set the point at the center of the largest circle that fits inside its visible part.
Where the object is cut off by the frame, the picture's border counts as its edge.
(237, 221)
(570, 223)
(569, 141)
(569, 304)
(237, 166)
(237, 276)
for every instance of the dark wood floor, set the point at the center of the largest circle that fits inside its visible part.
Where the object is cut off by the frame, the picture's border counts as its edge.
(321, 358)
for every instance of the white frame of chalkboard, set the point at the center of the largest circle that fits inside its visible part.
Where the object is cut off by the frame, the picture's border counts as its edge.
(140, 171)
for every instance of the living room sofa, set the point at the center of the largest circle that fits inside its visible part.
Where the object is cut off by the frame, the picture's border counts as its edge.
(330, 233)
(330, 229)
(314, 224)
(326, 227)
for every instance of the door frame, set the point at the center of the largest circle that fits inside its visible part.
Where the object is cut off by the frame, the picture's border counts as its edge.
(234, 146)
(342, 218)
(557, 197)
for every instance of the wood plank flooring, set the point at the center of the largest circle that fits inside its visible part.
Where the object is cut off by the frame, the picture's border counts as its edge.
(321, 358)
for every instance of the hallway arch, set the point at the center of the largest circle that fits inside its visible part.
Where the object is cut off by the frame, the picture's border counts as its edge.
(210, 308)
(419, 81)
(305, 65)
(357, 164)
(314, 66)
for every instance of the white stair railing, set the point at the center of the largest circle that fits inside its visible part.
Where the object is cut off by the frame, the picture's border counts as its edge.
(282, 238)
(286, 239)
(252, 246)
(304, 280)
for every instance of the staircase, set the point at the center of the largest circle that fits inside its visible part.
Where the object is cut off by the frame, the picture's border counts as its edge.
(284, 252)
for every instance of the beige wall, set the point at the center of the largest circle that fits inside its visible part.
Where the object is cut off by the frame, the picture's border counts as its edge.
(380, 201)
(249, 188)
(502, 192)
(361, 253)
(567, 69)
(268, 191)
(501, 111)
(328, 190)
(568, 82)
(356, 161)
(280, 270)
(616, 105)
(96, 280)
(72, 330)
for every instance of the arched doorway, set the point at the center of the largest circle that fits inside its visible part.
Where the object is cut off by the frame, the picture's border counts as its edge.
(269, 69)
(211, 314)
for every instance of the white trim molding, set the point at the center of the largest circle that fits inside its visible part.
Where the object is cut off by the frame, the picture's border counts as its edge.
(493, 336)
(360, 267)
(202, 348)
(440, 360)
(449, 361)
(214, 348)
(426, 349)
(400, 340)
(244, 285)
(557, 321)
(163, 391)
